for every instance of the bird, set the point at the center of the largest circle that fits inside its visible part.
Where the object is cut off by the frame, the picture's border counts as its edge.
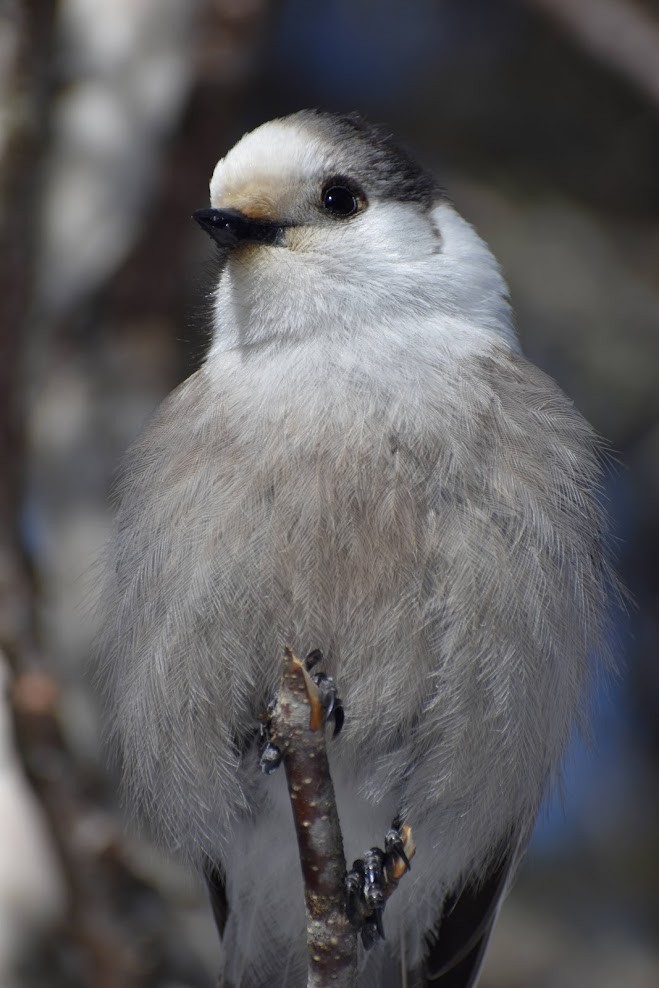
(367, 464)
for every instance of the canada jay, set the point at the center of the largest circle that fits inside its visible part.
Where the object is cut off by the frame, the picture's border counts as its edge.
(365, 464)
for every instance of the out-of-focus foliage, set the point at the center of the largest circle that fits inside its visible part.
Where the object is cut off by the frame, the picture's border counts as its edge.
(112, 115)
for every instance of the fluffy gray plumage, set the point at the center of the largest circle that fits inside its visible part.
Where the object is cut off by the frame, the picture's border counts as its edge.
(366, 464)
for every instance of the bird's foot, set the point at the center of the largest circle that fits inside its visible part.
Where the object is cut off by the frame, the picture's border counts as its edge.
(373, 878)
(325, 704)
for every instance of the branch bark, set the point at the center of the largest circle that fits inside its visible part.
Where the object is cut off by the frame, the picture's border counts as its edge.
(296, 726)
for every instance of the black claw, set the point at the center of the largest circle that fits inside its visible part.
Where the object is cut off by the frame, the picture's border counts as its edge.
(327, 693)
(327, 690)
(313, 658)
(329, 697)
(404, 858)
(393, 846)
(377, 914)
(339, 717)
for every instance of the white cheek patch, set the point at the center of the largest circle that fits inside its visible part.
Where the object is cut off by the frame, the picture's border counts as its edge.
(394, 232)
(266, 163)
(471, 275)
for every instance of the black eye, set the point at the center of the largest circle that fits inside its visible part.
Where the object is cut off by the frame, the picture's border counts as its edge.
(341, 200)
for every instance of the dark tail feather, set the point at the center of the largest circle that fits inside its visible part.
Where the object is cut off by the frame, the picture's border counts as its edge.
(463, 932)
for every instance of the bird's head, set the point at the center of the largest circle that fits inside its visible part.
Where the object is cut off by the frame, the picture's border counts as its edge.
(324, 222)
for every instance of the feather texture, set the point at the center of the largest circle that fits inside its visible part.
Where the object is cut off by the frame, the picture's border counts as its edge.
(387, 478)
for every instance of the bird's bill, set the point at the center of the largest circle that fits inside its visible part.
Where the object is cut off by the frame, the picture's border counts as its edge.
(229, 228)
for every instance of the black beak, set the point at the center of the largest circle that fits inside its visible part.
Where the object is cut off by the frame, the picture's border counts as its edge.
(228, 228)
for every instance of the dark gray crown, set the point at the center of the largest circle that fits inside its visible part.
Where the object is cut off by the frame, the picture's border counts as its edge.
(368, 154)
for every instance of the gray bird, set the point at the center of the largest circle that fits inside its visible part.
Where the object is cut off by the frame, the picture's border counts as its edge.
(366, 464)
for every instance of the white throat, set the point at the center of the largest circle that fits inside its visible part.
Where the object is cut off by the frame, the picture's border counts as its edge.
(454, 291)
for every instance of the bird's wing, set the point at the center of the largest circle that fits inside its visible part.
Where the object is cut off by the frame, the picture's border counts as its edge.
(468, 916)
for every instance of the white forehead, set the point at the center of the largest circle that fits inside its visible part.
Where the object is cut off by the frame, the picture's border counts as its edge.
(276, 153)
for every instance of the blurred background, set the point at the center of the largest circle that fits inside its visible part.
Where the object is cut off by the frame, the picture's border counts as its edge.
(542, 119)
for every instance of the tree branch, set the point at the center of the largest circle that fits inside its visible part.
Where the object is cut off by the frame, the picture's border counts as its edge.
(296, 726)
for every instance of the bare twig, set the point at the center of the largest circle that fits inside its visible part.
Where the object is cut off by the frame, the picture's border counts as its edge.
(618, 32)
(296, 727)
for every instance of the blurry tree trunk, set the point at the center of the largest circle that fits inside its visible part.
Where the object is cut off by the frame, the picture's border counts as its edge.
(46, 760)
(620, 33)
(97, 946)
(28, 31)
